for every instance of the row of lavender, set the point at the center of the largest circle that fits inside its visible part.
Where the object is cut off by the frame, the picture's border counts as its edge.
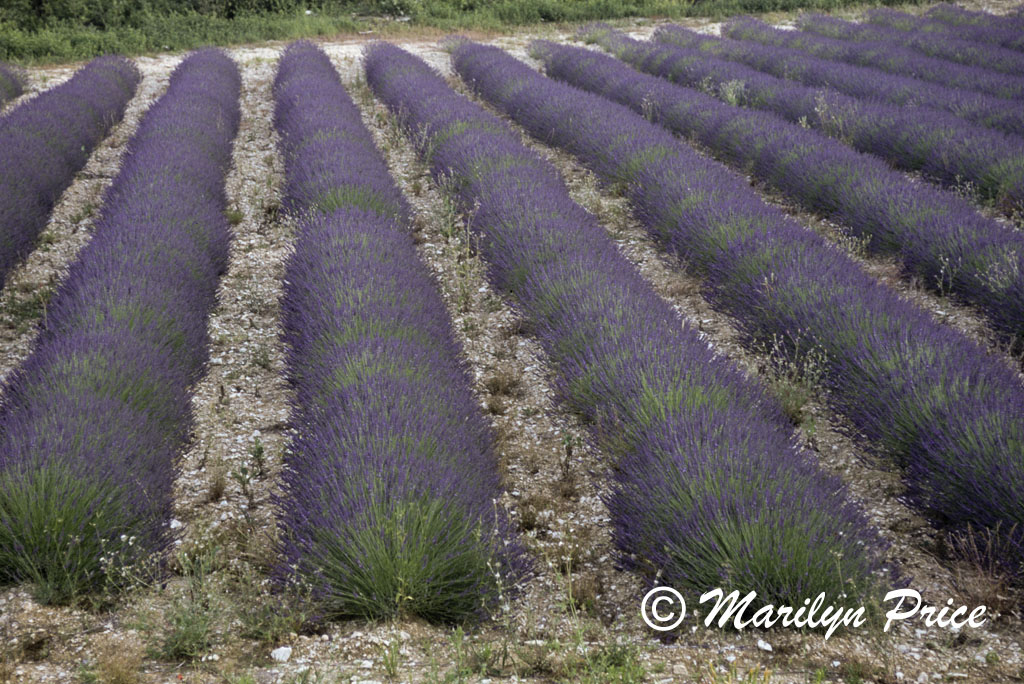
(939, 144)
(885, 57)
(947, 21)
(388, 503)
(889, 58)
(938, 236)
(12, 83)
(45, 141)
(709, 486)
(917, 391)
(862, 82)
(879, 29)
(94, 420)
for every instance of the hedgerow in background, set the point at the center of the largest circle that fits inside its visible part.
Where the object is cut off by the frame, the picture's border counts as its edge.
(709, 486)
(65, 42)
(938, 236)
(866, 83)
(107, 14)
(94, 420)
(917, 391)
(389, 494)
(946, 148)
(64, 30)
(12, 83)
(46, 140)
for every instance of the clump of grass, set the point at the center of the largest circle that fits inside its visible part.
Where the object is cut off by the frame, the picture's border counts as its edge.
(117, 661)
(267, 615)
(754, 675)
(793, 375)
(189, 632)
(27, 309)
(55, 532)
(418, 557)
(981, 576)
(504, 382)
(218, 484)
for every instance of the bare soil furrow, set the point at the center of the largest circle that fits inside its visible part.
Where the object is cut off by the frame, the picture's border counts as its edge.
(223, 493)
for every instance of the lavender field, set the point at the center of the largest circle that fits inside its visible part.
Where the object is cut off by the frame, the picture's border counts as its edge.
(424, 360)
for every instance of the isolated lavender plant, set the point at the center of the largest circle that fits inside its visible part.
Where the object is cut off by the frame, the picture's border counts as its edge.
(389, 494)
(942, 146)
(709, 487)
(94, 420)
(938, 404)
(46, 140)
(926, 228)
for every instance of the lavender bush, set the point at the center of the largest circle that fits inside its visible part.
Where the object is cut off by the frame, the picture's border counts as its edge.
(955, 15)
(937, 236)
(12, 83)
(918, 391)
(861, 82)
(93, 421)
(389, 494)
(919, 38)
(46, 140)
(709, 487)
(891, 58)
(949, 21)
(940, 145)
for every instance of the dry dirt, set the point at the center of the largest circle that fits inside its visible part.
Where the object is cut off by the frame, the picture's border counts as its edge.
(579, 615)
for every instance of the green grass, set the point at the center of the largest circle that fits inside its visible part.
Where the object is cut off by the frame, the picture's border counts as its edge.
(412, 557)
(51, 532)
(146, 31)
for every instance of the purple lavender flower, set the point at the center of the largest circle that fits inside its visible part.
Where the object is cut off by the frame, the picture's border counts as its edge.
(389, 493)
(917, 37)
(936, 403)
(46, 140)
(709, 485)
(942, 146)
(865, 83)
(94, 420)
(885, 57)
(939, 237)
(946, 21)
